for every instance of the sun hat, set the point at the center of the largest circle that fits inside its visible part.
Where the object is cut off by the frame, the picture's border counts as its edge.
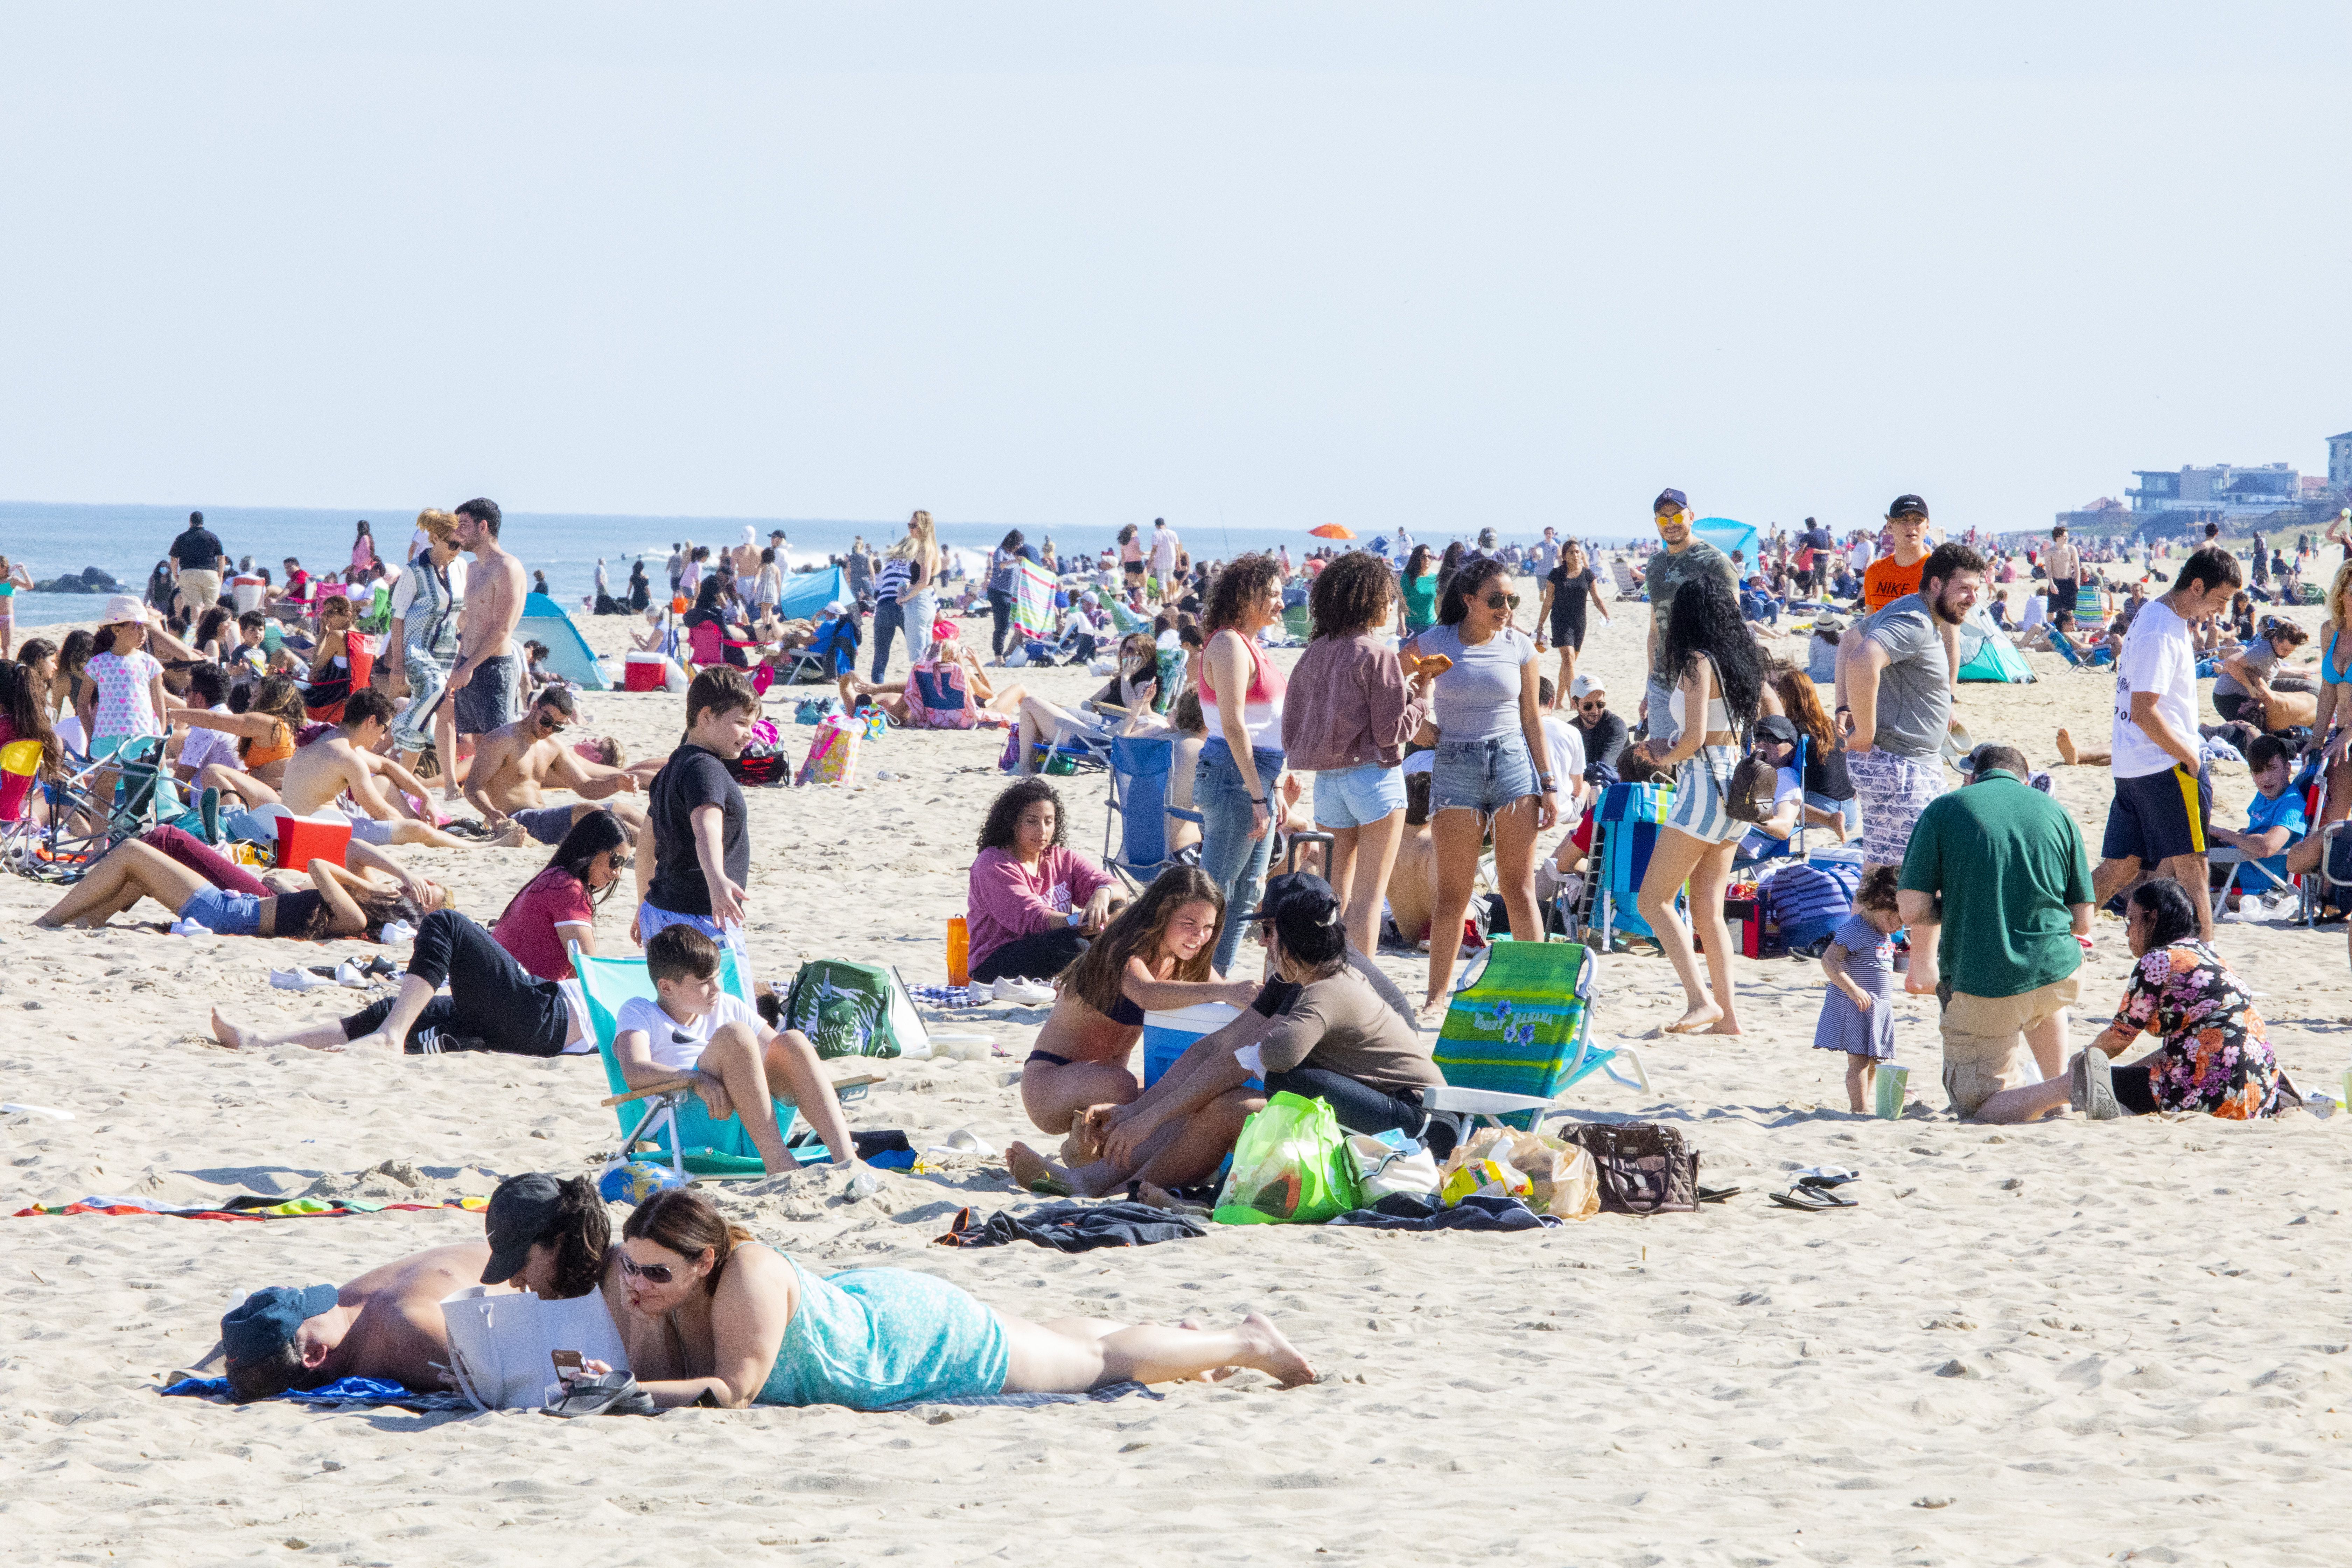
(121, 607)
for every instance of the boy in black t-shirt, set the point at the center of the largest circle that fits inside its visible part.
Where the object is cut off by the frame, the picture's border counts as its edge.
(702, 845)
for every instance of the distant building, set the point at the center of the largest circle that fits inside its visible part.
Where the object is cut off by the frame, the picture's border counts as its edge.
(2339, 461)
(2223, 489)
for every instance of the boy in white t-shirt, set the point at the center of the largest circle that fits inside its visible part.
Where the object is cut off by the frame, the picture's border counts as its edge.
(740, 1066)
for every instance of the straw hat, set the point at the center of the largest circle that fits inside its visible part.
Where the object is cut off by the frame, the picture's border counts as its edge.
(121, 607)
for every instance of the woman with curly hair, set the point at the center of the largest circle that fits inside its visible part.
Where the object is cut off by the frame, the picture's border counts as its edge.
(1152, 956)
(1033, 903)
(1349, 712)
(1717, 675)
(1243, 758)
(1494, 762)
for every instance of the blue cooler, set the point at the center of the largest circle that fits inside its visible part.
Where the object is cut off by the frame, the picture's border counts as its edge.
(1167, 1036)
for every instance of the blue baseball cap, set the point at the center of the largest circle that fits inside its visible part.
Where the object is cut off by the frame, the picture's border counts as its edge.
(1674, 498)
(266, 1323)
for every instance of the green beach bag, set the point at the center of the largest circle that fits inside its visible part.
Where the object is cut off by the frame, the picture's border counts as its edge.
(1291, 1166)
(855, 1010)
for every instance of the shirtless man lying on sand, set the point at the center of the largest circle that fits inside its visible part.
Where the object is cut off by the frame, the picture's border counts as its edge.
(514, 763)
(545, 1236)
(342, 762)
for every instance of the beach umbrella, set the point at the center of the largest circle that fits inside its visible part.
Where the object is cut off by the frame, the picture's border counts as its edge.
(1330, 530)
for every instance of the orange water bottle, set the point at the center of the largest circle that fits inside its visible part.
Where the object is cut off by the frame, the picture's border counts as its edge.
(959, 952)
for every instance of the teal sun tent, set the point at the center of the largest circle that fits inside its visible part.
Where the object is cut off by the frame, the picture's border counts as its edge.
(1728, 536)
(807, 594)
(1987, 653)
(567, 651)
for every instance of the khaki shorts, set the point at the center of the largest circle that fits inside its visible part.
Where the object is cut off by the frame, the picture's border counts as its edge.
(201, 590)
(1984, 1041)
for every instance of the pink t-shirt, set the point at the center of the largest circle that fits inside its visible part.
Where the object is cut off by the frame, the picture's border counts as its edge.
(126, 697)
(1008, 899)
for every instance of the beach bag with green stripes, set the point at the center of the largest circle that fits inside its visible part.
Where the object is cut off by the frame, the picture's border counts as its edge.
(1519, 1027)
(855, 1010)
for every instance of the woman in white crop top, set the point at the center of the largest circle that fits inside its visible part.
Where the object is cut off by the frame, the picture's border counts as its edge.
(1241, 698)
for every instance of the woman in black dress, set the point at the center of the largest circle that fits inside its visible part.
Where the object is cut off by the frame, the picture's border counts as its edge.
(1568, 588)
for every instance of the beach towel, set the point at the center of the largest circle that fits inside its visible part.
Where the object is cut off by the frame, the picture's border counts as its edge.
(246, 1206)
(1102, 1396)
(1032, 598)
(343, 1394)
(1074, 1226)
(1403, 1211)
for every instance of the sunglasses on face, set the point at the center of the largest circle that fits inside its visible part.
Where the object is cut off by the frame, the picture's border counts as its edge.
(654, 1273)
(1595, 706)
(1501, 601)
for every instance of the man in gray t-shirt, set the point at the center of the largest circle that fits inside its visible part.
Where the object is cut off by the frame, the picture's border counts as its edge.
(1683, 558)
(1899, 683)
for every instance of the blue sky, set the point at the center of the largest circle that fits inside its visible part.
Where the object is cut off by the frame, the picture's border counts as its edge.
(1446, 265)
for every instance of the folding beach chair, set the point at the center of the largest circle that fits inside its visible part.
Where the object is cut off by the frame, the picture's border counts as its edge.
(2090, 599)
(1518, 1035)
(1625, 835)
(1140, 768)
(104, 801)
(1621, 578)
(20, 765)
(671, 1120)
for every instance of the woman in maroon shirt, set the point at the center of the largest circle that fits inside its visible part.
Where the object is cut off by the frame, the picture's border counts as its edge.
(559, 905)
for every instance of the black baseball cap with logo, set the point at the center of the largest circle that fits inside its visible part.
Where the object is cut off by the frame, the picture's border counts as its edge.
(1907, 503)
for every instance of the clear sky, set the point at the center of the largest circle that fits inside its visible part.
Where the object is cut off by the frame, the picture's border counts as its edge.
(1443, 265)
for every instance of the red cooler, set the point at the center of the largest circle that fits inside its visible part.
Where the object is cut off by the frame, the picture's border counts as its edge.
(645, 672)
(301, 841)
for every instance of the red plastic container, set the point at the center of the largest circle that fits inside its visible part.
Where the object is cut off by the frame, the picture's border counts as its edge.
(644, 672)
(301, 841)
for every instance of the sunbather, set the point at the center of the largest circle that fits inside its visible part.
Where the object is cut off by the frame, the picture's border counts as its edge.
(338, 902)
(891, 694)
(1034, 904)
(1155, 955)
(264, 735)
(514, 766)
(710, 1315)
(344, 763)
(544, 1235)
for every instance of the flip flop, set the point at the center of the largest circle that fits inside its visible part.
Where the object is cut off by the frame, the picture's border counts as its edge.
(1805, 1201)
(1718, 1194)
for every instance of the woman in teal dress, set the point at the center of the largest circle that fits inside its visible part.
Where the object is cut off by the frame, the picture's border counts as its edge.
(1420, 586)
(709, 1315)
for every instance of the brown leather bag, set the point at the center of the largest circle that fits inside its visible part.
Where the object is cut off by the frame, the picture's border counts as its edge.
(1644, 1168)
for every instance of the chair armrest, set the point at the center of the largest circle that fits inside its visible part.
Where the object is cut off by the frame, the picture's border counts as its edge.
(668, 1086)
(1480, 1102)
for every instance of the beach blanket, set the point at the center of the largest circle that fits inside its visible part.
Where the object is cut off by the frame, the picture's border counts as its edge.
(343, 1394)
(1401, 1211)
(1032, 598)
(244, 1207)
(1102, 1396)
(1074, 1226)
(951, 996)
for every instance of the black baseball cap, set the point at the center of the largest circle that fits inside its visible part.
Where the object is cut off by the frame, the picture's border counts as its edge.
(265, 1323)
(1674, 498)
(1289, 884)
(1907, 502)
(1773, 726)
(520, 1212)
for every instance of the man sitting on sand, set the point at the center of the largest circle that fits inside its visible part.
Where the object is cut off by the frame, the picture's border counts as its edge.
(513, 763)
(342, 763)
(544, 1235)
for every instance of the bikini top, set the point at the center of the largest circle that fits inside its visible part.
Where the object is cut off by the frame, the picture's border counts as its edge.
(297, 910)
(2330, 672)
(281, 747)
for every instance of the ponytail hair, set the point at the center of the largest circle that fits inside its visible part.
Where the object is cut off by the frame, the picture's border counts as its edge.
(687, 1223)
(2170, 916)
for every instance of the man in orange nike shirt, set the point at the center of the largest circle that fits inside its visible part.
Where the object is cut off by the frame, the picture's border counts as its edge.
(1889, 578)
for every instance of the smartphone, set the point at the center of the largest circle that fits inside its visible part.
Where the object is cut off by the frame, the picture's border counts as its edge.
(566, 1361)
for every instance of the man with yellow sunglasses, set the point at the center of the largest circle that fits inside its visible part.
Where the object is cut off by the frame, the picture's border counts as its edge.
(1682, 558)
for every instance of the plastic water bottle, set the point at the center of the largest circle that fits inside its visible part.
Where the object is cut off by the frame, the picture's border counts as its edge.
(959, 952)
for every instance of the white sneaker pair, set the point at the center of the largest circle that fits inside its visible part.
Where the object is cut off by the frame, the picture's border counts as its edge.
(1028, 992)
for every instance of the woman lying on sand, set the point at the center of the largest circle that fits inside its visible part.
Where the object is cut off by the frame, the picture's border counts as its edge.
(1154, 956)
(710, 1315)
(2215, 1054)
(197, 884)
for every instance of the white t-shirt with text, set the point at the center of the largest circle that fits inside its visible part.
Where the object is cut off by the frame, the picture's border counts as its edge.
(680, 1046)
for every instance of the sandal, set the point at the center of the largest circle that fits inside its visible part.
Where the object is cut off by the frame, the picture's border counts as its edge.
(1810, 1200)
(601, 1393)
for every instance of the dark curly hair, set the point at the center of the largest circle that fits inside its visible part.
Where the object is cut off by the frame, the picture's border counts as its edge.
(1238, 581)
(1707, 621)
(1350, 595)
(582, 1234)
(1002, 825)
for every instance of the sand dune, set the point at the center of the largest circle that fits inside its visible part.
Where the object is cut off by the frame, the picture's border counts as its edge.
(2057, 1344)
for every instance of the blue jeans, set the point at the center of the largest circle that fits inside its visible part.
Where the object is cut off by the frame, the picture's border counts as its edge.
(1229, 856)
(889, 617)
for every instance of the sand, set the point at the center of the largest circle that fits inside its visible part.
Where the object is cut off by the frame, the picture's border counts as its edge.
(2061, 1343)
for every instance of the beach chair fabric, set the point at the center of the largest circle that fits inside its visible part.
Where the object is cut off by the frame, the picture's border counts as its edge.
(1520, 1033)
(938, 697)
(1141, 769)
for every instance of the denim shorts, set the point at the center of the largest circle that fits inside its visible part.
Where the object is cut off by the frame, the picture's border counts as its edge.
(1358, 796)
(652, 918)
(1484, 776)
(224, 913)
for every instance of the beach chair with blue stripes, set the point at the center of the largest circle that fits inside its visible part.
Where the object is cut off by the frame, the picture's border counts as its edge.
(1518, 1036)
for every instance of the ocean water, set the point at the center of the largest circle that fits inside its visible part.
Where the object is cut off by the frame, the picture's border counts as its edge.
(54, 538)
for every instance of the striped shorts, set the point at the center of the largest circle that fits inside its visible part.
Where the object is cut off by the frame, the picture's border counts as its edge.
(1894, 790)
(1698, 807)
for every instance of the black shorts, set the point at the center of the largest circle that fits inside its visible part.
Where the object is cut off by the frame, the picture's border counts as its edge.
(1568, 631)
(2160, 815)
(1132, 568)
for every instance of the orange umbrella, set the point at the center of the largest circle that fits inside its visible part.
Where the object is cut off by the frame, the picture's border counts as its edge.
(1330, 530)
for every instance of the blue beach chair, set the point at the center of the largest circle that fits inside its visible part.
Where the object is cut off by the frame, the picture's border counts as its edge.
(1140, 769)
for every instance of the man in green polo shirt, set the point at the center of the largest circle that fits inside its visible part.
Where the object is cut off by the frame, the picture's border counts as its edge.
(2000, 867)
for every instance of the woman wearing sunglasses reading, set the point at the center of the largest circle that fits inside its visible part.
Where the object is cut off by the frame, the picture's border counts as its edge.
(1487, 723)
(711, 1316)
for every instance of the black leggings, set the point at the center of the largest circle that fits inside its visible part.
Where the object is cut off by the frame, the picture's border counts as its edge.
(494, 1003)
(1360, 1107)
(2132, 1090)
(999, 606)
(1040, 955)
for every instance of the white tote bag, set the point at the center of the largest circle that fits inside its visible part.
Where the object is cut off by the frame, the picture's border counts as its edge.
(502, 1344)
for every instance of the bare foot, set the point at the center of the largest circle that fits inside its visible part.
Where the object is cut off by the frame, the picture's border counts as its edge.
(1432, 1012)
(1699, 1017)
(513, 836)
(1727, 1024)
(1272, 1354)
(2065, 747)
(226, 1033)
(1032, 1172)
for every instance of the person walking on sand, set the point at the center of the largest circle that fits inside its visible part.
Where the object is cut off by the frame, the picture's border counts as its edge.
(1682, 559)
(2164, 796)
(1718, 673)
(2064, 564)
(198, 560)
(1997, 870)
(487, 686)
(1900, 683)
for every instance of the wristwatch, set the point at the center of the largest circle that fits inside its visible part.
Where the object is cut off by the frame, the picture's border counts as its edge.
(1550, 785)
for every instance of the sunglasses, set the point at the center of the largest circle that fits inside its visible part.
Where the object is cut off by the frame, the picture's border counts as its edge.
(656, 1273)
(1594, 706)
(622, 860)
(1499, 601)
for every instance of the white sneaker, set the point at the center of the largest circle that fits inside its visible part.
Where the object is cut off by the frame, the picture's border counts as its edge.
(296, 980)
(348, 974)
(1028, 992)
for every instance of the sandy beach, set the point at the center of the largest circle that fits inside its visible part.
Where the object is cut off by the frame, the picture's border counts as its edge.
(2061, 1343)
